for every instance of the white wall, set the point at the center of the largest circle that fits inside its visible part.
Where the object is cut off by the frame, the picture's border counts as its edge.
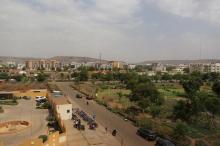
(65, 111)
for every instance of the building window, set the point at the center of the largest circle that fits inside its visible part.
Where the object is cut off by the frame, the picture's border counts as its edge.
(68, 111)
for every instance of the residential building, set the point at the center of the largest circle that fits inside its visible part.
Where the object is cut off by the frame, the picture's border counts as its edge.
(75, 65)
(158, 67)
(205, 68)
(215, 67)
(196, 67)
(42, 64)
(117, 64)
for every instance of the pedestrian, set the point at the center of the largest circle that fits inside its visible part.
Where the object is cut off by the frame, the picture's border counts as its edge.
(106, 129)
(94, 116)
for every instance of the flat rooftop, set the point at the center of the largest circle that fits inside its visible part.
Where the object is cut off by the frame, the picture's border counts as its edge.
(61, 101)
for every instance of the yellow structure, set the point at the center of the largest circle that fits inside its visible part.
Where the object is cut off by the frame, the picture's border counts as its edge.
(42, 64)
(54, 139)
(33, 142)
(31, 93)
(117, 64)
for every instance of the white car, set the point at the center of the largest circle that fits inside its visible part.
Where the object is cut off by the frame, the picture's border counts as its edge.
(38, 98)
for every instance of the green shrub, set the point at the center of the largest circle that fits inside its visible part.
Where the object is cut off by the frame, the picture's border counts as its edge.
(145, 122)
(180, 130)
(1, 110)
(155, 110)
(43, 137)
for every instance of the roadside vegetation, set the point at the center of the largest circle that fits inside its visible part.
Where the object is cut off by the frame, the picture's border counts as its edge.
(184, 108)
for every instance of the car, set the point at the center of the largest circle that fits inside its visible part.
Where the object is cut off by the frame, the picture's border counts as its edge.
(147, 134)
(163, 142)
(78, 96)
(26, 97)
(40, 98)
(89, 97)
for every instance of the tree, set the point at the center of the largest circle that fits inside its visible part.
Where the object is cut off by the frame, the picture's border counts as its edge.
(216, 88)
(107, 77)
(41, 77)
(146, 91)
(182, 110)
(83, 75)
(144, 104)
(212, 104)
(62, 75)
(192, 86)
(4, 76)
(166, 77)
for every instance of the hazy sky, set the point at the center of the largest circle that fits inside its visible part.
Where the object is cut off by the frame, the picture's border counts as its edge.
(129, 30)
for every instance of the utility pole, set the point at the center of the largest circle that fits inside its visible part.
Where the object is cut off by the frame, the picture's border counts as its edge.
(100, 60)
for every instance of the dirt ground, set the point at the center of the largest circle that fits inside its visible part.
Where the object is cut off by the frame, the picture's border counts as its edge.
(21, 86)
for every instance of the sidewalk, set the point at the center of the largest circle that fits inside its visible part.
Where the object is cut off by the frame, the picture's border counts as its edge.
(97, 137)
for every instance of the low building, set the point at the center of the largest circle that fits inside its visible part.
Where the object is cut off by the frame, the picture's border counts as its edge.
(75, 65)
(63, 108)
(117, 64)
(158, 67)
(131, 66)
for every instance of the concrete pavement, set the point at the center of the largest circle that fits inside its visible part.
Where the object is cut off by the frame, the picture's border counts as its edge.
(25, 110)
(97, 137)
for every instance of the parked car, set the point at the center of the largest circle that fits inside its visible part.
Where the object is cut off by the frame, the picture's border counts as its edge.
(39, 98)
(89, 97)
(26, 97)
(78, 96)
(163, 142)
(147, 134)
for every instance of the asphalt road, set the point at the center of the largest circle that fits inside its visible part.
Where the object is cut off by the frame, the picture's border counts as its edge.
(126, 131)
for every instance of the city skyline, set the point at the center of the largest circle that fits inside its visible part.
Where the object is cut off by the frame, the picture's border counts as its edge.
(128, 30)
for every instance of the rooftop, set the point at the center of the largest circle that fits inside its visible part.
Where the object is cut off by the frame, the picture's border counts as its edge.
(61, 101)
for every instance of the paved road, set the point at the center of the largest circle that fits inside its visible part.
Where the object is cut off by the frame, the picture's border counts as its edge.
(126, 131)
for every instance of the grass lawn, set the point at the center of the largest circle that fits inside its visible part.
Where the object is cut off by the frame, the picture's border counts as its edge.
(8, 102)
(116, 98)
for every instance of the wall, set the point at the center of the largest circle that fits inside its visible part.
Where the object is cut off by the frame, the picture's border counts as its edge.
(54, 139)
(62, 111)
(31, 93)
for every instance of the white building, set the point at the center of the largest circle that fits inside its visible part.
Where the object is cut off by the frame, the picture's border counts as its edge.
(215, 67)
(63, 108)
(20, 66)
(75, 65)
(209, 67)
(131, 66)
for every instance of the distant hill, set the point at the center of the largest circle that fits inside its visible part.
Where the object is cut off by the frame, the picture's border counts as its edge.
(172, 62)
(4, 59)
(64, 59)
(69, 59)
